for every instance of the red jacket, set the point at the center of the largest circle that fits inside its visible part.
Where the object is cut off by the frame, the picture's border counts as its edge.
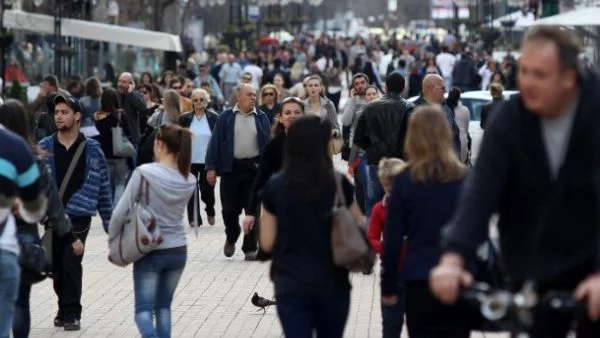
(376, 223)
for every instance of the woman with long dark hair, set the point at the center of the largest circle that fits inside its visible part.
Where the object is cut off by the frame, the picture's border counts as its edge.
(422, 200)
(108, 117)
(271, 159)
(169, 188)
(313, 294)
(13, 116)
(462, 117)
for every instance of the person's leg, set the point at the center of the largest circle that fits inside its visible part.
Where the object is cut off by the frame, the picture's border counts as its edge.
(58, 249)
(231, 211)
(331, 314)
(393, 315)
(112, 172)
(167, 283)
(190, 206)
(10, 272)
(145, 285)
(73, 277)
(295, 315)
(375, 190)
(250, 244)
(121, 177)
(22, 320)
(207, 194)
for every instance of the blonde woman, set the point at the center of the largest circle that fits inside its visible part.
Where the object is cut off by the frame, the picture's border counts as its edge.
(168, 112)
(422, 200)
(268, 101)
(200, 122)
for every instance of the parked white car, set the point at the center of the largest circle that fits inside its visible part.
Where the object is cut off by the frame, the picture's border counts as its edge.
(474, 101)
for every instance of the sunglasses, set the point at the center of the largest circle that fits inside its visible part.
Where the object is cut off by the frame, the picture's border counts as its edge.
(198, 100)
(269, 94)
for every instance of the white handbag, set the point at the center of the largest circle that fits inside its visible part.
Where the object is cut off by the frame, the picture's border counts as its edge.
(139, 234)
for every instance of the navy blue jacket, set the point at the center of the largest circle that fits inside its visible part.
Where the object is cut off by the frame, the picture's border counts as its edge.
(219, 155)
(418, 211)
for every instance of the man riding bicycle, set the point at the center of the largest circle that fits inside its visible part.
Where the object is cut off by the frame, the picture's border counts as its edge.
(539, 169)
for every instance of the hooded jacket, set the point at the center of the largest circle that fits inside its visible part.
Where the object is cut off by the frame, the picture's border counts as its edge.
(168, 195)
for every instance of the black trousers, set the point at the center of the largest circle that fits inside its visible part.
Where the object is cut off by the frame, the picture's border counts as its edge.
(236, 188)
(206, 193)
(426, 317)
(68, 271)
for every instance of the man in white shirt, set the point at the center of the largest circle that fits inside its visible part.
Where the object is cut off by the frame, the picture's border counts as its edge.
(446, 62)
(256, 71)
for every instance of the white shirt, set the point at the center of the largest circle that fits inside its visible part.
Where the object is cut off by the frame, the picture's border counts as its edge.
(8, 238)
(462, 118)
(200, 137)
(446, 62)
(257, 74)
(486, 76)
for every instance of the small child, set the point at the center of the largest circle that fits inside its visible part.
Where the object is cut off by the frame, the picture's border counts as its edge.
(388, 168)
(392, 315)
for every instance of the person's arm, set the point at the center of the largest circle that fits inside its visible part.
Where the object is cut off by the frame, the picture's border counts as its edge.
(121, 210)
(332, 116)
(376, 222)
(268, 221)
(481, 194)
(266, 168)
(28, 182)
(105, 203)
(393, 238)
(361, 134)
(212, 151)
(349, 112)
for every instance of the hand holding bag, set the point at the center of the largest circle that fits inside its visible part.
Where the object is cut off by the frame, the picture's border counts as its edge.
(349, 243)
(139, 234)
(122, 147)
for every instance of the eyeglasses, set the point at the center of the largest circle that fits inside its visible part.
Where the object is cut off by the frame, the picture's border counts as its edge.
(268, 94)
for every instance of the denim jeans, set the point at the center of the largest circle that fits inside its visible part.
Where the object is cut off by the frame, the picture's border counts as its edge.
(302, 314)
(393, 316)
(155, 278)
(374, 190)
(118, 173)
(9, 287)
(22, 318)
(363, 175)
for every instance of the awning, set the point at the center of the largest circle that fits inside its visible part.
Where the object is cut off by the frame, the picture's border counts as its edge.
(44, 24)
(580, 17)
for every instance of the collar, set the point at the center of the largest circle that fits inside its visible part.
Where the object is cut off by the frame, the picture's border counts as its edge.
(236, 109)
(384, 201)
(80, 137)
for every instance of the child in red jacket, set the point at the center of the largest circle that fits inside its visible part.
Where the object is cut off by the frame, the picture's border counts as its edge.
(392, 316)
(388, 168)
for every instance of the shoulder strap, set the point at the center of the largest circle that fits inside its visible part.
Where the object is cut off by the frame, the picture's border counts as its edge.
(339, 199)
(69, 173)
(142, 193)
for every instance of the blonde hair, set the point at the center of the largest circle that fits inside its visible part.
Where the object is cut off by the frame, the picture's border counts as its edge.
(388, 168)
(265, 87)
(430, 149)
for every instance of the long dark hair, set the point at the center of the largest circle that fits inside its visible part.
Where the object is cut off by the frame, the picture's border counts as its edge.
(109, 102)
(278, 129)
(13, 116)
(178, 141)
(453, 97)
(307, 164)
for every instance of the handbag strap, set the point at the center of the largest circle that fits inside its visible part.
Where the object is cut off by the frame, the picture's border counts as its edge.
(143, 191)
(339, 199)
(69, 173)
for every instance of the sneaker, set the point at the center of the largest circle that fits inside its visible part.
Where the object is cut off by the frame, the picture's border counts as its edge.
(211, 220)
(250, 256)
(59, 322)
(228, 249)
(73, 325)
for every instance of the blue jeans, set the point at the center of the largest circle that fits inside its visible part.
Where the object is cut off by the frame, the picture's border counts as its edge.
(393, 316)
(9, 287)
(155, 278)
(118, 174)
(374, 188)
(302, 314)
(22, 318)
(363, 175)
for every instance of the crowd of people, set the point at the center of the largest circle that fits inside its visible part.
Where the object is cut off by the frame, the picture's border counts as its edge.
(266, 126)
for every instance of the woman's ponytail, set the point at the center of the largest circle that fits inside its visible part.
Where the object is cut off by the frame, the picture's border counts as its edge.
(184, 155)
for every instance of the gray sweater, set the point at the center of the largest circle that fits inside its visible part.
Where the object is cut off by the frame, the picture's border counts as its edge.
(169, 193)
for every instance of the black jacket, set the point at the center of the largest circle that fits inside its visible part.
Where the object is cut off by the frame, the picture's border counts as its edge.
(381, 128)
(185, 120)
(549, 228)
(487, 111)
